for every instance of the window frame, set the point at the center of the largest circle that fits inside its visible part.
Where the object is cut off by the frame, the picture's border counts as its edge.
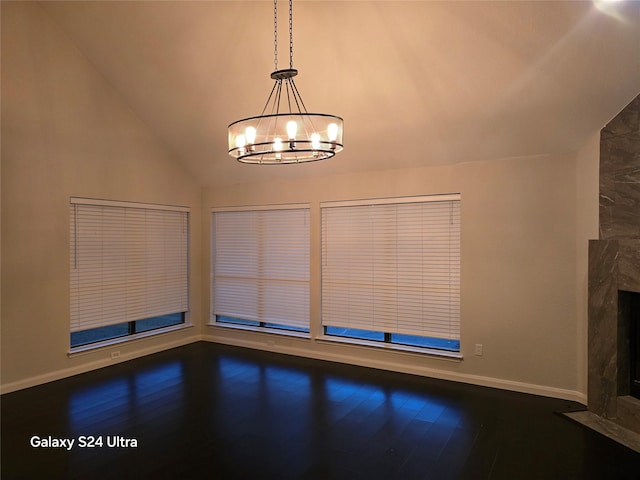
(391, 347)
(132, 334)
(262, 326)
(389, 344)
(386, 342)
(132, 331)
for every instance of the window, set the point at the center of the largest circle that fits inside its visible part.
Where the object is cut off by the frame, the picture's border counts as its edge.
(391, 271)
(110, 332)
(260, 267)
(129, 269)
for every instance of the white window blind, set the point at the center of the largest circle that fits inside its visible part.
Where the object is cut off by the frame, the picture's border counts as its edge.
(393, 265)
(128, 262)
(260, 265)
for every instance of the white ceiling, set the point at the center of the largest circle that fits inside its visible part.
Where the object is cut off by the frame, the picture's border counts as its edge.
(417, 83)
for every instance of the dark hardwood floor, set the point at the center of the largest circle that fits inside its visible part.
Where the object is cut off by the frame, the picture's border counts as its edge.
(211, 411)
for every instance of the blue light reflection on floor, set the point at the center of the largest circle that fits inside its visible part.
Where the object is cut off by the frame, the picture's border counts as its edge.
(160, 395)
(347, 396)
(101, 408)
(272, 384)
(288, 381)
(357, 400)
(288, 393)
(338, 389)
(234, 369)
(157, 381)
(89, 408)
(238, 395)
(265, 398)
(422, 407)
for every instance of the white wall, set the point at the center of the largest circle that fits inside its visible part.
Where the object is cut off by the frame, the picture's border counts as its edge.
(66, 132)
(519, 267)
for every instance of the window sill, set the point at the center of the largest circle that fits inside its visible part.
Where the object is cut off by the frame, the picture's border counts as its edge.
(431, 352)
(84, 349)
(249, 328)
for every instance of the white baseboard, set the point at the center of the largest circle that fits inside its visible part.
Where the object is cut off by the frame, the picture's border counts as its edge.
(502, 384)
(87, 367)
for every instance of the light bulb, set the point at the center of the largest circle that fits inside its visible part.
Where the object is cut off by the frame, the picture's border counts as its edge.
(315, 141)
(240, 143)
(292, 129)
(250, 132)
(277, 147)
(332, 132)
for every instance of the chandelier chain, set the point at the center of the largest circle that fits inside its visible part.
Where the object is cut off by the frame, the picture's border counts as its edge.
(275, 35)
(290, 33)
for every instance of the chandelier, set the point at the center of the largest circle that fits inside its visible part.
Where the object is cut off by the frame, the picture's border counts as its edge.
(285, 132)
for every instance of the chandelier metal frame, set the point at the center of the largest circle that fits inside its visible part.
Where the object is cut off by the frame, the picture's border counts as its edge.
(285, 132)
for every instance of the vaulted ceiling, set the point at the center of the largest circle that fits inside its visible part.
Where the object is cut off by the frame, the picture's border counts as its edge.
(417, 82)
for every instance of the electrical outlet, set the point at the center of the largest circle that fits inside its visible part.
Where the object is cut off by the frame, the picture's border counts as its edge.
(115, 354)
(478, 351)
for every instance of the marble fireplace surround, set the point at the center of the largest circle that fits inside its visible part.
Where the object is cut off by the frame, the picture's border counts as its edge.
(614, 266)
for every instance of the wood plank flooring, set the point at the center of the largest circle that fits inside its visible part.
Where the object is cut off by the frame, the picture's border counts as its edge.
(212, 411)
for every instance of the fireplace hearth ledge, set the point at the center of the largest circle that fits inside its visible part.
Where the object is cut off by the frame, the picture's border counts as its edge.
(608, 428)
